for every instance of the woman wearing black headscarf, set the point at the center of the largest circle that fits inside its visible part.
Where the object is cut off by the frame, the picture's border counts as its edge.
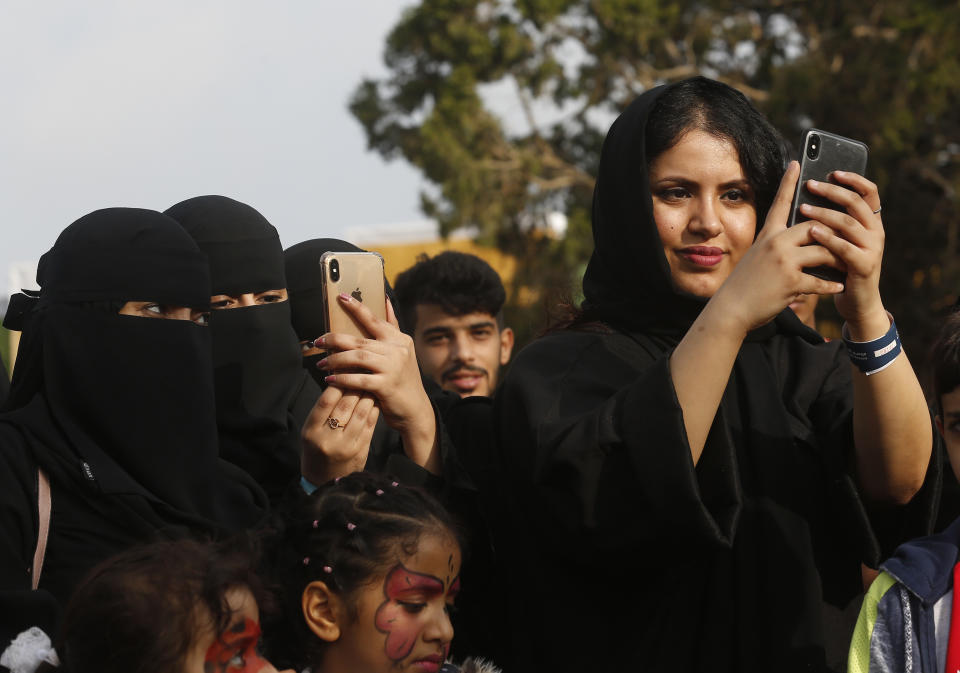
(392, 384)
(693, 473)
(114, 406)
(263, 394)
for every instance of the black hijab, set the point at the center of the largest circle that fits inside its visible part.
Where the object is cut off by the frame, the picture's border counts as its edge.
(627, 283)
(256, 356)
(121, 404)
(304, 286)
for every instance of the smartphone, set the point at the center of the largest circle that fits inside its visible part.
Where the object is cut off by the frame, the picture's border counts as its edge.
(359, 274)
(823, 153)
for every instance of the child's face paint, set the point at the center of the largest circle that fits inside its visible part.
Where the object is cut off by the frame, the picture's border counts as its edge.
(403, 621)
(234, 650)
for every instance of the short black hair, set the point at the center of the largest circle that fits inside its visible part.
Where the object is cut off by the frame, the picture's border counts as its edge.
(459, 283)
(945, 356)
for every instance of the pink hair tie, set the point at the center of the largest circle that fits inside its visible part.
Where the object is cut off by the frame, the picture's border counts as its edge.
(327, 569)
(351, 526)
(316, 523)
(306, 560)
(396, 483)
(337, 480)
(379, 491)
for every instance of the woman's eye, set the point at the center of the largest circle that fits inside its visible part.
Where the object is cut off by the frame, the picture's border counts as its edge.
(269, 298)
(156, 309)
(674, 193)
(223, 303)
(202, 318)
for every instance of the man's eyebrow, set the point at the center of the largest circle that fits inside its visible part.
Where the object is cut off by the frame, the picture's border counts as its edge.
(486, 323)
(437, 330)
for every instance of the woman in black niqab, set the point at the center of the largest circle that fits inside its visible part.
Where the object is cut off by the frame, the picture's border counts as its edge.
(263, 394)
(116, 410)
(631, 542)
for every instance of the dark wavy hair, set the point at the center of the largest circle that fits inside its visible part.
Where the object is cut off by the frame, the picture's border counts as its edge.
(945, 359)
(138, 611)
(457, 282)
(388, 519)
(722, 111)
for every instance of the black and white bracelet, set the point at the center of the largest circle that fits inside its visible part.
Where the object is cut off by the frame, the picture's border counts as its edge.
(874, 356)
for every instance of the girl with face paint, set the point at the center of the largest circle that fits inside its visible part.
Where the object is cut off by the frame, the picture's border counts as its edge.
(369, 571)
(112, 404)
(175, 607)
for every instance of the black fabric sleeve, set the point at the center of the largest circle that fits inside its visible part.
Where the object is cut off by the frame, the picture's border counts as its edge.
(597, 447)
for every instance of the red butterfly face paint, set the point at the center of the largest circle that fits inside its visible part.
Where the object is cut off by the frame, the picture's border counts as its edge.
(406, 593)
(235, 650)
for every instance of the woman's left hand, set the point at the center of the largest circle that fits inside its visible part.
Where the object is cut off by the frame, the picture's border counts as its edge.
(386, 367)
(856, 237)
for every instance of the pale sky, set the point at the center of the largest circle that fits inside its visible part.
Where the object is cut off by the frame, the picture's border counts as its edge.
(130, 103)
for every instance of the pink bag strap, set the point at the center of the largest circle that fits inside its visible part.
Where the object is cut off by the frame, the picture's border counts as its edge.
(43, 507)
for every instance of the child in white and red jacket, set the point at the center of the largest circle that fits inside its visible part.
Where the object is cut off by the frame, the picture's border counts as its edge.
(907, 620)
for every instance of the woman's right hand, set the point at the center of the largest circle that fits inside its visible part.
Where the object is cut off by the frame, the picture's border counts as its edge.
(336, 435)
(770, 275)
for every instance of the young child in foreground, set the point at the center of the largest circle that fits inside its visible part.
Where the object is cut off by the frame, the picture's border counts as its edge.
(369, 570)
(906, 622)
(170, 607)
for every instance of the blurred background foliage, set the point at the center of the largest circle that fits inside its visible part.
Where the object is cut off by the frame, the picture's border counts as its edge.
(503, 106)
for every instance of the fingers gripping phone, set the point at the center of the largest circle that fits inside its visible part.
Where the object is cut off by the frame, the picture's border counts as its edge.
(823, 153)
(359, 274)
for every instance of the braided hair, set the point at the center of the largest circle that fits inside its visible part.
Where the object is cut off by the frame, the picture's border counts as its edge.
(347, 533)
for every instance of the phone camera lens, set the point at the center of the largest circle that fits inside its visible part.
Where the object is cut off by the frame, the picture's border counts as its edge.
(334, 270)
(813, 146)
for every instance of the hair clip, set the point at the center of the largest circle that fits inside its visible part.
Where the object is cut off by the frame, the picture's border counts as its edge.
(327, 569)
(316, 523)
(351, 526)
(379, 491)
(306, 560)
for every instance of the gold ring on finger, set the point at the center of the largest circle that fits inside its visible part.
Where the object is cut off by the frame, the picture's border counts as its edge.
(334, 423)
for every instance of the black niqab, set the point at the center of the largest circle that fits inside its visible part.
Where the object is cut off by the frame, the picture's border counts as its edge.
(122, 401)
(256, 356)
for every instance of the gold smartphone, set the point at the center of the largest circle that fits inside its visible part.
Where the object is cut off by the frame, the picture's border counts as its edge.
(359, 274)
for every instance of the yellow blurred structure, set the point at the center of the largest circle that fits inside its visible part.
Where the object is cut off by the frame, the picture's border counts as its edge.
(398, 257)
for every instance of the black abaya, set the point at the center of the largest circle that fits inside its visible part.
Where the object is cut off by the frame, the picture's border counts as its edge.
(263, 394)
(117, 410)
(623, 554)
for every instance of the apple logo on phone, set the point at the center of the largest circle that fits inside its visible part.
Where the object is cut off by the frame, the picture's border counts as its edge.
(356, 294)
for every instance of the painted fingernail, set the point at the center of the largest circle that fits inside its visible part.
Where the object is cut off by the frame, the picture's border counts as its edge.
(330, 379)
(319, 342)
(322, 364)
(345, 297)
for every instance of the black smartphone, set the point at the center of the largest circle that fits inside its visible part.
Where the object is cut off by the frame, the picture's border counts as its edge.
(823, 153)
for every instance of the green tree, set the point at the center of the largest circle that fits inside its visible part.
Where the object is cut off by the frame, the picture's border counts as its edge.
(503, 106)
